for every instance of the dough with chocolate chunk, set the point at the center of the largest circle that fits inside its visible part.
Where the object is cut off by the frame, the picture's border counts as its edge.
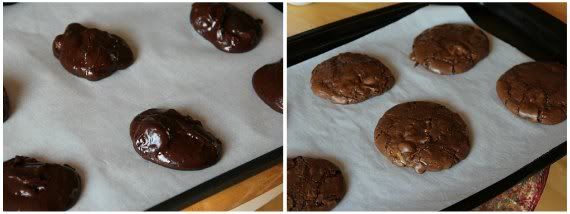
(350, 78)
(268, 84)
(30, 185)
(167, 138)
(450, 48)
(422, 135)
(6, 106)
(91, 53)
(313, 184)
(535, 91)
(225, 26)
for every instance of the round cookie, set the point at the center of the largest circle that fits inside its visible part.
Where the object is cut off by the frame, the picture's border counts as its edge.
(30, 185)
(313, 184)
(167, 138)
(350, 78)
(422, 135)
(450, 48)
(535, 91)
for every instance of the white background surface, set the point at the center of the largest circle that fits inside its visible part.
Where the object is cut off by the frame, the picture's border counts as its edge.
(58, 117)
(501, 143)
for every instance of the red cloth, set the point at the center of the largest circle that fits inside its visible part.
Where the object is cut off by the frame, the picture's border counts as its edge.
(522, 197)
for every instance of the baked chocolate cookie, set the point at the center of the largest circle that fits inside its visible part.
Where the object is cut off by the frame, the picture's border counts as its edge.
(351, 78)
(535, 91)
(6, 106)
(450, 48)
(30, 185)
(167, 138)
(91, 53)
(268, 84)
(422, 135)
(313, 184)
(226, 27)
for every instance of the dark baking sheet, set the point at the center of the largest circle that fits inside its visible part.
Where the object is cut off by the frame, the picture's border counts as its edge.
(529, 29)
(225, 180)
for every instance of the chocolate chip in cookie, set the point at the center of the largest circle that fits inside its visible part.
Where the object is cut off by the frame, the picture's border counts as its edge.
(535, 91)
(422, 135)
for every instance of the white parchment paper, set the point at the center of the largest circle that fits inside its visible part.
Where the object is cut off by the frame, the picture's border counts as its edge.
(501, 143)
(58, 117)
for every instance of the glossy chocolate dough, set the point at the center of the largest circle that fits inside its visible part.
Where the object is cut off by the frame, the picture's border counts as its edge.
(350, 78)
(268, 84)
(535, 91)
(313, 184)
(6, 106)
(167, 138)
(450, 48)
(91, 53)
(30, 185)
(422, 135)
(226, 27)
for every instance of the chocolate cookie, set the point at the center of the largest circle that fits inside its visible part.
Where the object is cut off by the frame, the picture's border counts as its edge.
(313, 184)
(450, 48)
(350, 78)
(422, 135)
(167, 138)
(91, 53)
(268, 84)
(535, 91)
(30, 185)
(6, 106)
(226, 27)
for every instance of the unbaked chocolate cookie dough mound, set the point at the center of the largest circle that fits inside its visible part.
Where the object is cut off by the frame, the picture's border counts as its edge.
(225, 26)
(91, 53)
(535, 91)
(450, 48)
(30, 185)
(422, 135)
(313, 184)
(267, 82)
(6, 105)
(350, 78)
(172, 140)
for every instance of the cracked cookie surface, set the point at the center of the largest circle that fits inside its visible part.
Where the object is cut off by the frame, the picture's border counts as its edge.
(450, 48)
(535, 91)
(423, 135)
(313, 184)
(350, 78)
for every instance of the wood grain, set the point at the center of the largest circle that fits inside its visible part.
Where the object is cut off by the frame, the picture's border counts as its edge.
(303, 18)
(242, 192)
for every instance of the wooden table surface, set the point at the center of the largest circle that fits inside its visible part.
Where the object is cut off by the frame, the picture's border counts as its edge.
(303, 18)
